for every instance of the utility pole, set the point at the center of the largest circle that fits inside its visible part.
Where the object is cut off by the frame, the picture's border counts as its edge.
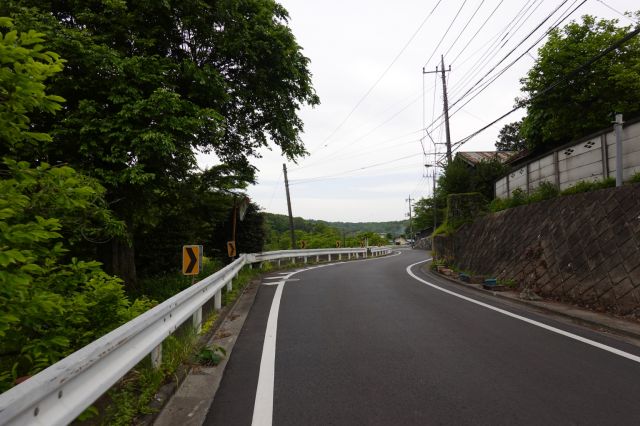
(446, 103)
(410, 218)
(617, 127)
(286, 185)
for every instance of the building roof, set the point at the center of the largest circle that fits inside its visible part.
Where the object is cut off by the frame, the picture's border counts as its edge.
(473, 158)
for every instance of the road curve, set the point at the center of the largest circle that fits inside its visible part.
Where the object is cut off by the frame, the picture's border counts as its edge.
(366, 343)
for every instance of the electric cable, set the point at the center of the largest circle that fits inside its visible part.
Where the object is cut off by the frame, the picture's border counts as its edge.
(502, 71)
(619, 13)
(476, 33)
(486, 84)
(445, 33)
(555, 84)
(384, 163)
(325, 142)
(464, 28)
(516, 47)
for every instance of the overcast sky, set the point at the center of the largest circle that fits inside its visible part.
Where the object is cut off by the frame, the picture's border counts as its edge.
(364, 138)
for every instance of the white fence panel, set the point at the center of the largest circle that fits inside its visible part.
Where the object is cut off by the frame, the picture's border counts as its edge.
(582, 161)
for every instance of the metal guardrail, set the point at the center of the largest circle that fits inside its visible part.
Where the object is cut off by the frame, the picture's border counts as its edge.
(57, 395)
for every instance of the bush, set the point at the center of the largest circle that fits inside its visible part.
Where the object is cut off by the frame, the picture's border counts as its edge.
(547, 191)
(51, 306)
(586, 186)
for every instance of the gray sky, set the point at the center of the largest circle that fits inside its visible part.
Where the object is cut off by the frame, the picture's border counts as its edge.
(364, 138)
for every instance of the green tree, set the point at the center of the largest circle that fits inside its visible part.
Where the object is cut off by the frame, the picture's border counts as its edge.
(148, 84)
(50, 305)
(459, 177)
(423, 213)
(24, 67)
(587, 101)
(510, 138)
(51, 302)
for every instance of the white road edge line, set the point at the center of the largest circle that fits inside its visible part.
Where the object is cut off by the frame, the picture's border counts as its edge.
(263, 405)
(527, 320)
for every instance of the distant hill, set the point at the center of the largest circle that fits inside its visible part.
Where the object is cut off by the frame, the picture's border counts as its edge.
(280, 223)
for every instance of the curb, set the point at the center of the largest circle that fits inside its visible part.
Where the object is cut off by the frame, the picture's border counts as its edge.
(631, 331)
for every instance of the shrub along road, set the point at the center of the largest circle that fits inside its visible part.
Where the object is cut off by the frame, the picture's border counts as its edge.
(366, 343)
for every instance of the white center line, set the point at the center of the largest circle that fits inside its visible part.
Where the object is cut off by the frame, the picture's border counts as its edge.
(527, 320)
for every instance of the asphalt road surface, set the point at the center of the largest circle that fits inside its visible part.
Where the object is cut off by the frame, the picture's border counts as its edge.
(367, 343)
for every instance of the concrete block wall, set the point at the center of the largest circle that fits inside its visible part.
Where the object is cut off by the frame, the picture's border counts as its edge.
(582, 249)
(591, 159)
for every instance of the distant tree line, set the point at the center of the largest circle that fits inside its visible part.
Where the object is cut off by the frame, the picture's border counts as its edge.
(321, 234)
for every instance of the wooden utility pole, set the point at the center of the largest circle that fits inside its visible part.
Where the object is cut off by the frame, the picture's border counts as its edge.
(286, 186)
(446, 103)
(446, 109)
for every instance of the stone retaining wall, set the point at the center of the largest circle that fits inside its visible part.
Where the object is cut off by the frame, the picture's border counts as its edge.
(582, 249)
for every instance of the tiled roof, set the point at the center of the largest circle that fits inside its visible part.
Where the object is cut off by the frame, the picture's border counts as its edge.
(474, 158)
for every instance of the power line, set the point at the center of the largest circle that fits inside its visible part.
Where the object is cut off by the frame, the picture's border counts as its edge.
(322, 161)
(503, 70)
(555, 84)
(368, 92)
(514, 49)
(445, 33)
(618, 12)
(384, 163)
(517, 25)
(495, 41)
(486, 84)
(477, 31)
(464, 28)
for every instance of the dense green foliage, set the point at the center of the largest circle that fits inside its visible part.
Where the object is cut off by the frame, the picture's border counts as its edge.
(587, 101)
(458, 178)
(148, 85)
(54, 298)
(50, 304)
(24, 67)
(510, 138)
(423, 211)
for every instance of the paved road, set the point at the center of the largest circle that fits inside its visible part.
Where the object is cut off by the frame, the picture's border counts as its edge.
(366, 343)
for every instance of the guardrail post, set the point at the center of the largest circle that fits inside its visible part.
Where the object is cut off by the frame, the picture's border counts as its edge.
(318, 258)
(278, 263)
(293, 260)
(156, 356)
(329, 257)
(197, 320)
(217, 300)
(339, 256)
(230, 283)
(305, 259)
